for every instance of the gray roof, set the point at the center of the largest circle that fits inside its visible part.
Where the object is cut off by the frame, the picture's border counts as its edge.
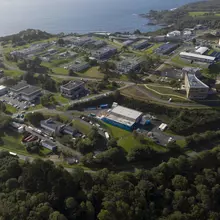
(194, 55)
(72, 84)
(20, 85)
(194, 82)
(51, 123)
(30, 90)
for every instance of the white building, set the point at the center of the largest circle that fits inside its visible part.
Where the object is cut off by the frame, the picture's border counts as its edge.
(197, 57)
(123, 117)
(174, 34)
(202, 50)
(3, 90)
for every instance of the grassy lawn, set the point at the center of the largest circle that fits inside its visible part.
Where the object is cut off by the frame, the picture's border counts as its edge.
(92, 72)
(60, 71)
(197, 13)
(12, 142)
(10, 109)
(13, 73)
(151, 49)
(60, 99)
(181, 143)
(179, 62)
(81, 126)
(127, 141)
(166, 93)
(36, 107)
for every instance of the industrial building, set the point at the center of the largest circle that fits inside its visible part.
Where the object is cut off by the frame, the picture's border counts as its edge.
(197, 57)
(201, 50)
(123, 117)
(167, 48)
(57, 127)
(195, 89)
(49, 145)
(25, 91)
(73, 89)
(3, 90)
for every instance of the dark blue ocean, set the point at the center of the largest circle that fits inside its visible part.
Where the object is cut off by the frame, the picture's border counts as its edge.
(79, 15)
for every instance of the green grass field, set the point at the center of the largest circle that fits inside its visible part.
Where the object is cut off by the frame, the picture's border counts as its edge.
(127, 141)
(151, 49)
(92, 72)
(10, 109)
(197, 13)
(62, 100)
(81, 126)
(13, 73)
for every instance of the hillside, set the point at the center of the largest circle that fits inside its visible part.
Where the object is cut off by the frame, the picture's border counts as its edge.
(26, 36)
(204, 12)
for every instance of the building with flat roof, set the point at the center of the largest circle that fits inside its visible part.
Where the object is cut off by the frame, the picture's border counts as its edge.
(197, 57)
(201, 50)
(195, 89)
(49, 145)
(123, 117)
(57, 127)
(129, 65)
(174, 34)
(167, 48)
(73, 89)
(104, 53)
(142, 44)
(79, 66)
(25, 91)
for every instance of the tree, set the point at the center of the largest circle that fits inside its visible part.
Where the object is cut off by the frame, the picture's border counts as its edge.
(70, 203)
(2, 106)
(71, 72)
(61, 42)
(48, 100)
(180, 182)
(35, 118)
(57, 216)
(194, 41)
(104, 215)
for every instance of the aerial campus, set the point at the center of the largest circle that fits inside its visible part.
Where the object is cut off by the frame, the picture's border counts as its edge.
(59, 92)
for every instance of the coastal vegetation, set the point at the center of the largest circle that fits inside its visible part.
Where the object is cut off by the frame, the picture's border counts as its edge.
(204, 12)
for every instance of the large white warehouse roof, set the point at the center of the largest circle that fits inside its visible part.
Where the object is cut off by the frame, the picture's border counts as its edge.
(126, 112)
(194, 55)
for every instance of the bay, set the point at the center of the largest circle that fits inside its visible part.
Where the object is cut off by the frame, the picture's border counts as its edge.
(82, 16)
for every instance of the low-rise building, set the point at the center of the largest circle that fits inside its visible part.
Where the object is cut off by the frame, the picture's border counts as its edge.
(25, 92)
(123, 117)
(201, 50)
(49, 145)
(56, 127)
(195, 89)
(197, 57)
(142, 44)
(174, 34)
(73, 89)
(167, 48)
(79, 66)
(129, 65)
(104, 53)
(3, 90)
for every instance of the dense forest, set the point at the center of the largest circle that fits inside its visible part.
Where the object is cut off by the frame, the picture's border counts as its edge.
(181, 189)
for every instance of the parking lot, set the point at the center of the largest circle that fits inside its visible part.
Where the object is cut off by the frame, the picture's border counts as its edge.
(15, 102)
